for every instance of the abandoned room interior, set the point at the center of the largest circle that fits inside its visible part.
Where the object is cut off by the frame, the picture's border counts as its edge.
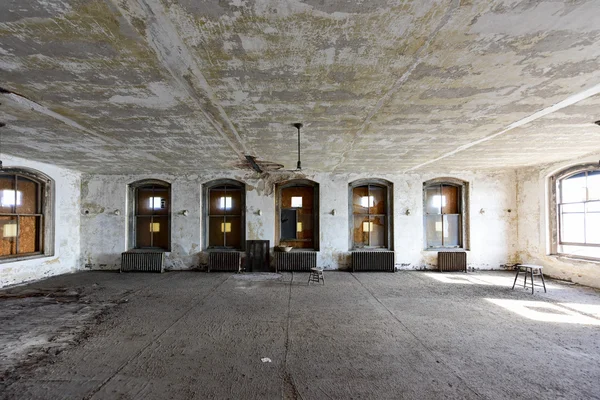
(340, 195)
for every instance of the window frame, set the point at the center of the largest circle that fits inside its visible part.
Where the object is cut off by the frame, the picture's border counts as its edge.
(132, 212)
(316, 206)
(45, 195)
(214, 184)
(463, 197)
(555, 202)
(389, 197)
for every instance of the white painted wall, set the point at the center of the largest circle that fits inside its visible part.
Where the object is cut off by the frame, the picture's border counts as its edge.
(493, 232)
(66, 256)
(533, 236)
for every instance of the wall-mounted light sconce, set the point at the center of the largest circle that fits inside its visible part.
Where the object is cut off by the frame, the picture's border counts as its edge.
(407, 212)
(258, 212)
(117, 212)
(185, 213)
(482, 211)
(332, 212)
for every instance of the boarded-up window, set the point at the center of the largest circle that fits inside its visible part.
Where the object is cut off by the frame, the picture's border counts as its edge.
(443, 215)
(225, 216)
(21, 215)
(153, 216)
(370, 214)
(298, 224)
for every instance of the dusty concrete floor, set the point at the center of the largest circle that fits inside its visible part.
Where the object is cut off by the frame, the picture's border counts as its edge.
(184, 335)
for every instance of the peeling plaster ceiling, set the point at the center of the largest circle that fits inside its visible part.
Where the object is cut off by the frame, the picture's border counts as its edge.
(180, 86)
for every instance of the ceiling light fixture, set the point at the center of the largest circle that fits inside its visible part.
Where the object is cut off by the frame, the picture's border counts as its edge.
(298, 125)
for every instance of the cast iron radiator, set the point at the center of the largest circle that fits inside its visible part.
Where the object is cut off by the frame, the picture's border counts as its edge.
(373, 261)
(143, 261)
(295, 261)
(224, 261)
(452, 261)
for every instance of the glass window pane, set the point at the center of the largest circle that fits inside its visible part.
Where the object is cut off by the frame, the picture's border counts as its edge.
(451, 230)
(378, 196)
(296, 202)
(433, 200)
(378, 232)
(160, 232)
(360, 200)
(592, 228)
(232, 227)
(27, 196)
(593, 185)
(28, 234)
(572, 226)
(361, 231)
(7, 194)
(434, 230)
(573, 189)
(593, 206)
(8, 230)
(572, 208)
(450, 200)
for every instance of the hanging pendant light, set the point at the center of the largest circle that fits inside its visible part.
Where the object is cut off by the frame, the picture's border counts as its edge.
(298, 125)
(2, 125)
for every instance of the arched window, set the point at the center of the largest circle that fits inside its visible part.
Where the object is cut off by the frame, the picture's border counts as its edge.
(25, 214)
(371, 214)
(577, 197)
(224, 205)
(445, 212)
(150, 222)
(298, 214)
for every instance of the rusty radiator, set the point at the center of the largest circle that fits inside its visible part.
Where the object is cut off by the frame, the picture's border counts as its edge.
(295, 261)
(224, 261)
(142, 261)
(452, 261)
(373, 261)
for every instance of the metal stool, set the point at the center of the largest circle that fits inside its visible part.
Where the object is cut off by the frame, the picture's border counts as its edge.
(316, 275)
(528, 269)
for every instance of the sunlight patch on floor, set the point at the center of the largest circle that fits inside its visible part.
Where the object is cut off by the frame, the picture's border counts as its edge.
(545, 312)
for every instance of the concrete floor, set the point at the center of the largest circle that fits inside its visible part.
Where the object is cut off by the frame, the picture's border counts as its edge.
(190, 335)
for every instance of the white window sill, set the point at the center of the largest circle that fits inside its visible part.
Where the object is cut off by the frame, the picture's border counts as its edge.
(7, 260)
(579, 259)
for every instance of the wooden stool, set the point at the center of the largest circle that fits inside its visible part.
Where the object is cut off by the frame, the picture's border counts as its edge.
(528, 269)
(316, 275)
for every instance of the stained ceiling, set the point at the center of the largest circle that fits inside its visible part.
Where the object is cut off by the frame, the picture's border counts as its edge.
(182, 86)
